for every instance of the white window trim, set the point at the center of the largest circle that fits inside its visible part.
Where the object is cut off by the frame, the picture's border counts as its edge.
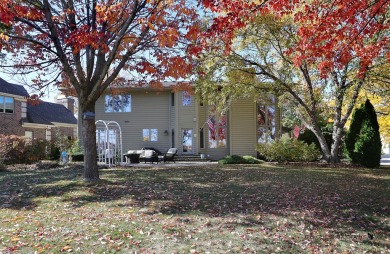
(149, 135)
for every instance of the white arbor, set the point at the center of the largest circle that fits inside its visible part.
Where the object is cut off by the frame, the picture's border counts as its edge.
(109, 142)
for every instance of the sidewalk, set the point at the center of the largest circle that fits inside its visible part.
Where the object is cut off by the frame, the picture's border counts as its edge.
(385, 160)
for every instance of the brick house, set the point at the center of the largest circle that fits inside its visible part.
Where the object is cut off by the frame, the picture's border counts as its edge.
(43, 121)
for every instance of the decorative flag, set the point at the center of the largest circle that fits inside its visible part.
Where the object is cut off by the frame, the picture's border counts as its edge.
(296, 131)
(211, 124)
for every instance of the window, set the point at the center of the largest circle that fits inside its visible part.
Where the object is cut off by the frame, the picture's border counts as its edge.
(29, 135)
(217, 124)
(150, 135)
(6, 104)
(266, 121)
(187, 140)
(24, 109)
(172, 99)
(117, 103)
(186, 100)
(48, 134)
(201, 138)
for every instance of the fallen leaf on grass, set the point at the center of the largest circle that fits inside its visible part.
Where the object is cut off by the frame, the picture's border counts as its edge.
(66, 248)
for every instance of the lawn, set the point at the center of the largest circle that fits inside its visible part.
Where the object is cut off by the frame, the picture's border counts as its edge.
(209, 209)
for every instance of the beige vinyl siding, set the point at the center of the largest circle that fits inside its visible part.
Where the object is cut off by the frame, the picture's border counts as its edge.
(149, 110)
(185, 120)
(243, 128)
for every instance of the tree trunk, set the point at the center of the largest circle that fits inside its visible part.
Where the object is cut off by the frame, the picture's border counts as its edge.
(91, 172)
(324, 146)
(80, 135)
(330, 155)
(336, 141)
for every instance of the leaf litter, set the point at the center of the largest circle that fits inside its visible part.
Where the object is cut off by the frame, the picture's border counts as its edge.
(219, 209)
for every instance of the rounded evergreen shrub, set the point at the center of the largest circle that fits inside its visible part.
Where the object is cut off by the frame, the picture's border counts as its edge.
(353, 133)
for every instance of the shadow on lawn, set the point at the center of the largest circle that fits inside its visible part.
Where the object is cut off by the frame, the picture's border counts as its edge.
(321, 197)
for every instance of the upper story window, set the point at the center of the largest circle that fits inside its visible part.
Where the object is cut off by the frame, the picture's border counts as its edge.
(266, 120)
(186, 99)
(117, 103)
(6, 104)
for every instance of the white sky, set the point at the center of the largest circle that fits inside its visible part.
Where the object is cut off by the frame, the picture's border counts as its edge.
(50, 94)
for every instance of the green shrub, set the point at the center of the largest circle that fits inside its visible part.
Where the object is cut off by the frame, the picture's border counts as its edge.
(310, 138)
(362, 142)
(17, 149)
(236, 159)
(78, 157)
(353, 132)
(55, 153)
(3, 167)
(288, 149)
(76, 148)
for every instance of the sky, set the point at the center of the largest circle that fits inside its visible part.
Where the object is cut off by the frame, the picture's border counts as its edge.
(50, 93)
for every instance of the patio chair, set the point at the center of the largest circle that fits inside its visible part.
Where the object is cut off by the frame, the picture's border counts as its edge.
(170, 155)
(151, 156)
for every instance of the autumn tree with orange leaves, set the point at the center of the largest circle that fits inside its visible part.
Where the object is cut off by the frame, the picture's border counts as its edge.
(318, 53)
(85, 44)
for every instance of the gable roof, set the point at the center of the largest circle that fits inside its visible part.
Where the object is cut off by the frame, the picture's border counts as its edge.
(48, 113)
(9, 88)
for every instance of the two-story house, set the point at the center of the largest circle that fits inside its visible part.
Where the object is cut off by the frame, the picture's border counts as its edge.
(164, 118)
(45, 120)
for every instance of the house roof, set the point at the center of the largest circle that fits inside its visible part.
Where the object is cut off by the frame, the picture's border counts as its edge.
(9, 88)
(48, 113)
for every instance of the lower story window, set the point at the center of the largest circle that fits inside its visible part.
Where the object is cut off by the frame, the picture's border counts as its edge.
(150, 134)
(266, 121)
(48, 134)
(29, 135)
(217, 124)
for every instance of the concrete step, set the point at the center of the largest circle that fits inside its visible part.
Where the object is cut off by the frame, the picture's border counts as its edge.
(189, 158)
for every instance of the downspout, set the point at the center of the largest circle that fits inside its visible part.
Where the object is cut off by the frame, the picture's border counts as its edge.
(169, 119)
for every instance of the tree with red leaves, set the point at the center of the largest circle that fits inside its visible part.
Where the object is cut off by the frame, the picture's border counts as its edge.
(319, 53)
(85, 44)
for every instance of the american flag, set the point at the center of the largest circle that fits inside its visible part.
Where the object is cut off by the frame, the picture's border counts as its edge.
(211, 124)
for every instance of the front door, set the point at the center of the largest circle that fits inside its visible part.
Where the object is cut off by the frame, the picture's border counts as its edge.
(187, 135)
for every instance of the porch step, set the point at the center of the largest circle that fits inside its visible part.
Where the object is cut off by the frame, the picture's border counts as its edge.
(189, 158)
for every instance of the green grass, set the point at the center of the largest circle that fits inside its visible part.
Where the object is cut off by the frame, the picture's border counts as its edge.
(210, 209)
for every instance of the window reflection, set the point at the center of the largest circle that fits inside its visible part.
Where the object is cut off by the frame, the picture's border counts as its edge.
(186, 100)
(266, 120)
(117, 103)
(217, 125)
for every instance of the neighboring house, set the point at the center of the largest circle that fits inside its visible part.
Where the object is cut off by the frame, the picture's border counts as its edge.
(45, 120)
(167, 118)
